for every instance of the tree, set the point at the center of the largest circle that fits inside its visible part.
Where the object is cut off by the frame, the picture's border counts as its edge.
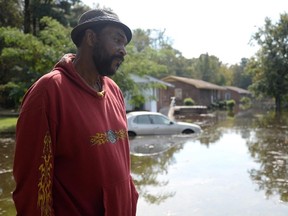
(241, 78)
(11, 13)
(208, 68)
(141, 39)
(24, 57)
(270, 66)
(35, 10)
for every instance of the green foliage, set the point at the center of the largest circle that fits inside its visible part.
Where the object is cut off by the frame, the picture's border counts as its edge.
(61, 11)
(245, 103)
(23, 48)
(269, 68)
(245, 100)
(219, 105)
(124, 82)
(24, 57)
(241, 77)
(143, 62)
(222, 104)
(188, 102)
(141, 40)
(230, 104)
(208, 68)
(8, 124)
(137, 101)
(10, 13)
(55, 35)
(11, 94)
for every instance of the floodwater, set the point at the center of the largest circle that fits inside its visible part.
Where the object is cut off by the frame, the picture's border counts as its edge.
(237, 166)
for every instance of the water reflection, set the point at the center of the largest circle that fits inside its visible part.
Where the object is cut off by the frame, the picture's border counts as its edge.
(151, 156)
(266, 137)
(269, 147)
(223, 122)
(155, 145)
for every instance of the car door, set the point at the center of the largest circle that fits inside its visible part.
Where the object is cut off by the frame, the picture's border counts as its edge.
(143, 126)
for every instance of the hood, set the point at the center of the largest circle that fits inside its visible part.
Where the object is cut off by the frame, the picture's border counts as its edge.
(65, 65)
(189, 124)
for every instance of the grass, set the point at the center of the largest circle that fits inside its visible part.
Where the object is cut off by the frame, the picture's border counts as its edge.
(8, 124)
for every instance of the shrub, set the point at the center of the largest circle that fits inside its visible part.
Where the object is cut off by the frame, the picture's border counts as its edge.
(188, 102)
(222, 104)
(245, 100)
(11, 94)
(230, 104)
(245, 103)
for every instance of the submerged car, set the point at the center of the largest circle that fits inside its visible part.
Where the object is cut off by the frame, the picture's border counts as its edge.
(154, 123)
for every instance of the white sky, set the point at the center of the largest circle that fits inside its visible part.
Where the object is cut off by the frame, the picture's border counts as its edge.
(218, 27)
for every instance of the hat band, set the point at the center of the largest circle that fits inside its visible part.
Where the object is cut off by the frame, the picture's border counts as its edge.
(95, 19)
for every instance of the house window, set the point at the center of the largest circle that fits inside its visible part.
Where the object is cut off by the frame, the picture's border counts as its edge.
(227, 96)
(178, 93)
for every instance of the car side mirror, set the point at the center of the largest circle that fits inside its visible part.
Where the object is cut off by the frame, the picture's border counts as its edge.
(171, 122)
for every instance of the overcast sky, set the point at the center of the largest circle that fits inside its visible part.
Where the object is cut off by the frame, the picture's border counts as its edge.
(218, 27)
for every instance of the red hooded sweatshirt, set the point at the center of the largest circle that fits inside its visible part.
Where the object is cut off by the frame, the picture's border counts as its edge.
(72, 149)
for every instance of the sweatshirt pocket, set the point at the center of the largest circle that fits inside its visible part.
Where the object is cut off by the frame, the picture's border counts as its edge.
(120, 199)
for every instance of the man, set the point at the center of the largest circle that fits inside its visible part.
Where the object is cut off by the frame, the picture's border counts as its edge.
(72, 149)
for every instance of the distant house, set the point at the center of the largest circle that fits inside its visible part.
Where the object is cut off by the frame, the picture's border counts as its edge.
(151, 94)
(202, 92)
(236, 93)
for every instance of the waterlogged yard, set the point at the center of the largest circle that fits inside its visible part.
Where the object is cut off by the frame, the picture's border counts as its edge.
(237, 166)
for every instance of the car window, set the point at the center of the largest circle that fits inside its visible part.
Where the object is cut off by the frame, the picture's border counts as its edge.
(143, 119)
(159, 120)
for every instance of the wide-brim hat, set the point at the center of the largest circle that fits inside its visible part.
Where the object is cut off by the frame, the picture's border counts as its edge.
(98, 17)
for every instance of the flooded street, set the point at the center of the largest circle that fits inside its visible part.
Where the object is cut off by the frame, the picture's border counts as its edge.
(238, 166)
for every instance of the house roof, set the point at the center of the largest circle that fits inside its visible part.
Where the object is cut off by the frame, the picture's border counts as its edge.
(200, 84)
(238, 90)
(148, 79)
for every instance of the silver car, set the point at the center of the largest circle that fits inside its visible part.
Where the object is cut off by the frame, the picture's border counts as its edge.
(154, 123)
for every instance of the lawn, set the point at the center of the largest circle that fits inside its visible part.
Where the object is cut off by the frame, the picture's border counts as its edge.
(8, 124)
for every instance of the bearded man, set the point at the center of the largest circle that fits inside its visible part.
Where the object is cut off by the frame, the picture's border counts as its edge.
(72, 149)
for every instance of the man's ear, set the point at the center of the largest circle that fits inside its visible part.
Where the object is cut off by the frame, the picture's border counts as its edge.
(90, 37)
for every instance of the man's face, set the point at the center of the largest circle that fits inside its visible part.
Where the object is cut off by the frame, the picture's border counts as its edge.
(109, 50)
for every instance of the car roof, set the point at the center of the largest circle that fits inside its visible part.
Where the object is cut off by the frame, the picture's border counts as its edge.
(134, 113)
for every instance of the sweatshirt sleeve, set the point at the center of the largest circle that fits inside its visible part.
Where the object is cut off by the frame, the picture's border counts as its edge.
(34, 158)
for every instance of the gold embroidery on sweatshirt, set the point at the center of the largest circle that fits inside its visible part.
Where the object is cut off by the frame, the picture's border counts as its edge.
(45, 183)
(109, 136)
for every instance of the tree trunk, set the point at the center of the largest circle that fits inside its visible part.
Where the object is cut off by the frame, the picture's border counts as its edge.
(278, 104)
(27, 17)
(34, 24)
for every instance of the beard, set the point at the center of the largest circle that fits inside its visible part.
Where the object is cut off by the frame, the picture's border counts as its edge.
(104, 62)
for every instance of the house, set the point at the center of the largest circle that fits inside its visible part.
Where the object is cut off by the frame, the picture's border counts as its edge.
(236, 93)
(150, 92)
(202, 92)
